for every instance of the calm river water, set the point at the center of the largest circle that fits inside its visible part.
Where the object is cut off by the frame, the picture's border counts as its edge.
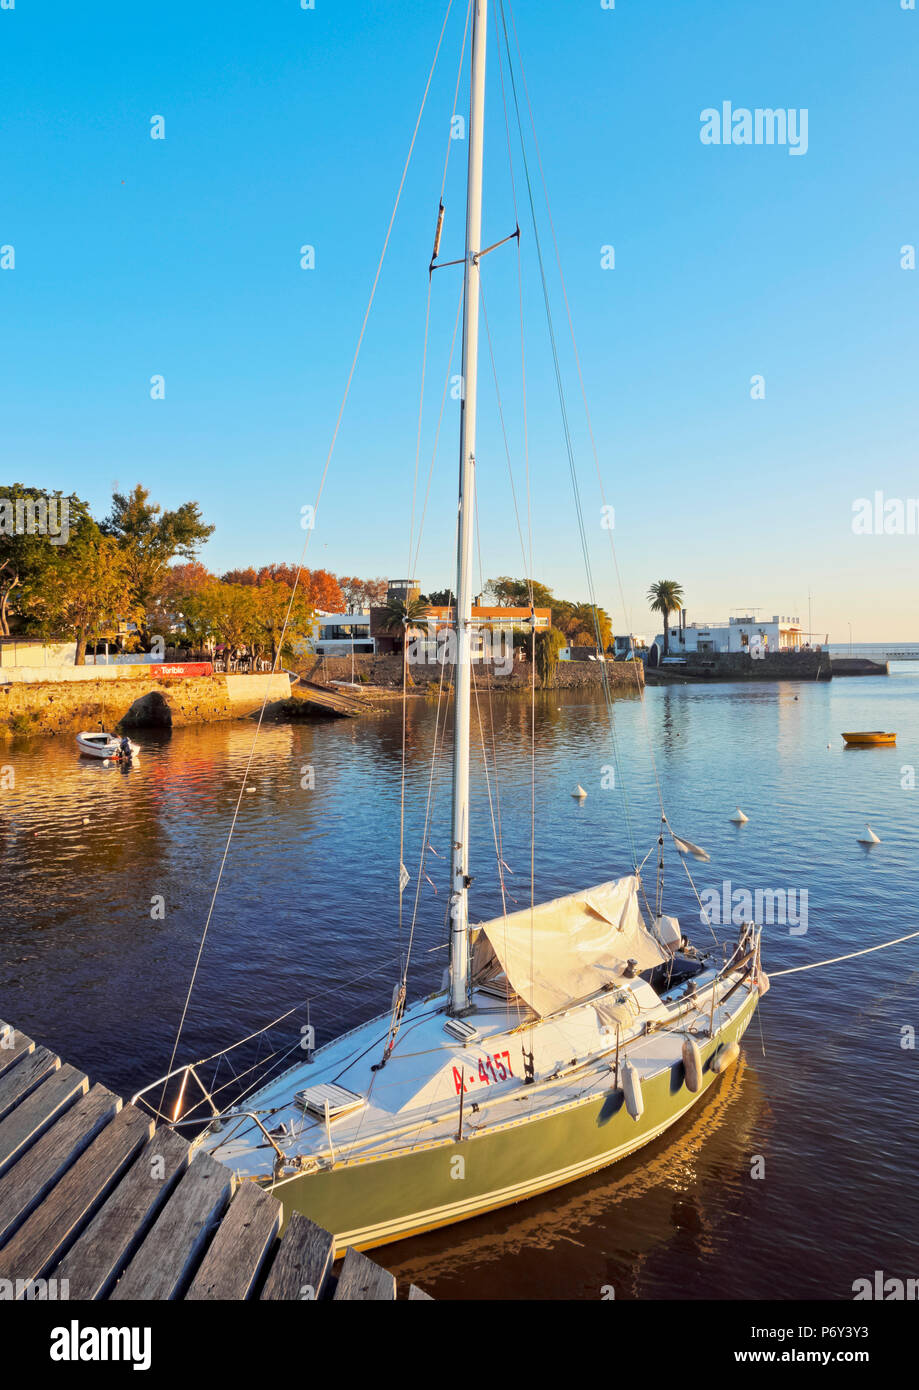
(826, 1094)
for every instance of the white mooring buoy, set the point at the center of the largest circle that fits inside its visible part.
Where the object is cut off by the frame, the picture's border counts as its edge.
(869, 837)
(579, 793)
(739, 818)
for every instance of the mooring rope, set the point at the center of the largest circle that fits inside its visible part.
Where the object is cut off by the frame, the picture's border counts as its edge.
(795, 969)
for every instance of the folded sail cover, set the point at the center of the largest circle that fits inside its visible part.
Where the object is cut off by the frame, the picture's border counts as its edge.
(568, 948)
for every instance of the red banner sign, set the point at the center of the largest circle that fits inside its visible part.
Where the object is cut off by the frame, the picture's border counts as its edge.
(183, 668)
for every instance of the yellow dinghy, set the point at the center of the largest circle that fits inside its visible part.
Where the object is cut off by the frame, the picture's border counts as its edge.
(869, 740)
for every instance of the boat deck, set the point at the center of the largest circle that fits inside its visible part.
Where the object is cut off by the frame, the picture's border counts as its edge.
(414, 1101)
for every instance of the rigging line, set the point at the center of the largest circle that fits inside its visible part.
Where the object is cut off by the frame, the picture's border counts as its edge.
(692, 883)
(590, 429)
(459, 309)
(569, 446)
(459, 78)
(491, 710)
(531, 592)
(405, 636)
(496, 827)
(604, 676)
(795, 969)
(322, 481)
(523, 371)
(399, 1002)
(438, 731)
(507, 451)
(427, 320)
(528, 562)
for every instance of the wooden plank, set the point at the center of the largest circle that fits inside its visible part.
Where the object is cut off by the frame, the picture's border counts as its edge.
(38, 1112)
(239, 1249)
(302, 1263)
(415, 1294)
(24, 1185)
(25, 1076)
(167, 1257)
(13, 1045)
(114, 1234)
(360, 1278)
(55, 1223)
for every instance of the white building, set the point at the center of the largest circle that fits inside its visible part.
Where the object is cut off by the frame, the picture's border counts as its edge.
(747, 634)
(626, 644)
(340, 634)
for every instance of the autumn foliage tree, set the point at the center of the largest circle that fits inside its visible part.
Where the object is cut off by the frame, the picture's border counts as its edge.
(362, 593)
(86, 590)
(150, 538)
(320, 587)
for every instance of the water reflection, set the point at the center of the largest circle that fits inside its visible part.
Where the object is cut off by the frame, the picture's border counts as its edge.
(309, 908)
(605, 1229)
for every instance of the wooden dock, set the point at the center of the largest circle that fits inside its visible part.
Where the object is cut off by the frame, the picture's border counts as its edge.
(96, 1202)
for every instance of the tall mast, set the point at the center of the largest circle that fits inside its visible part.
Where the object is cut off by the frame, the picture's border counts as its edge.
(459, 899)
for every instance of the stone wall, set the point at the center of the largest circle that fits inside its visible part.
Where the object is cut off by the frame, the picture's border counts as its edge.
(53, 707)
(734, 666)
(386, 671)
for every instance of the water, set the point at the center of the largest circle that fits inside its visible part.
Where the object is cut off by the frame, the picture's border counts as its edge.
(825, 1096)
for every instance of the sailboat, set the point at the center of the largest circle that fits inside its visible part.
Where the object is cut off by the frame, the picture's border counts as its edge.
(568, 1034)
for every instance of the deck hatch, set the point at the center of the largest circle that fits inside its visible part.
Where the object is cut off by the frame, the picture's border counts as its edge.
(463, 1032)
(340, 1100)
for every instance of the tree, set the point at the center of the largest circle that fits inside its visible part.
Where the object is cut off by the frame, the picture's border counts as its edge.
(442, 598)
(35, 526)
(320, 586)
(399, 617)
(515, 593)
(181, 588)
(324, 590)
(246, 576)
(150, 538)
(402, 618)
(580, 621)
(234, 613)
(666, 597)
(549, 643)
(281, 615)
(362, 593)
(87, 588)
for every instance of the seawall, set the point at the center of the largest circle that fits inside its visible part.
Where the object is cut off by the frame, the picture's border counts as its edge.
(738, 666)
(53, 707)
(385, 672)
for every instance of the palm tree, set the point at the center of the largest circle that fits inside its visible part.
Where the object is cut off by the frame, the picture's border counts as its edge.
(400, 617)
(666, 597)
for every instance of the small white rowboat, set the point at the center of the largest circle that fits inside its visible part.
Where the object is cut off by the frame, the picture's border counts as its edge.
(103, 745)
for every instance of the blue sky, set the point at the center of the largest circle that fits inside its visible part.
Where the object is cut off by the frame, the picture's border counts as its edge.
(180, 257)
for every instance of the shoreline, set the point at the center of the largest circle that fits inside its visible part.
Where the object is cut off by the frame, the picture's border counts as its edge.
(52, 708)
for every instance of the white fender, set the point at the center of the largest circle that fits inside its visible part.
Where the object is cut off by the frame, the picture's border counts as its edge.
(692, 1065)
(631, 1089)
(725, 1057)
(762, 983)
